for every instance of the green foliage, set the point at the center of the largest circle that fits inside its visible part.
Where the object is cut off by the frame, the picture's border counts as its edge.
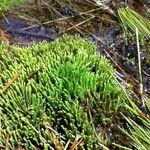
(61, 85)
(138, 125)
(6, 4)
(138, 121)
(132, 20)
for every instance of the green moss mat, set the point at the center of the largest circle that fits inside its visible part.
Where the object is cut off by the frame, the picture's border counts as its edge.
(58, 86)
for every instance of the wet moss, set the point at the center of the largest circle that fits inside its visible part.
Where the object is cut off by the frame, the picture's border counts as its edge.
(56, 95)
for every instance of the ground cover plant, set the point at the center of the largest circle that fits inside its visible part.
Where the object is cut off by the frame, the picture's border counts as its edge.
(138, 124)
(59, 86)
(64, 95)
(138, 127)
(131, 20)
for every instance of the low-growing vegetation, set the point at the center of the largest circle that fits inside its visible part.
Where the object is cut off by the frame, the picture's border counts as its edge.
(64, 86)
(66, 94)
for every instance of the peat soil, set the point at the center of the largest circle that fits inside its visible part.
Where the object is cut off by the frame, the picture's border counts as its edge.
(97, 23)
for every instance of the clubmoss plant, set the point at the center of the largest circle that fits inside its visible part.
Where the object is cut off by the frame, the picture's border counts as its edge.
(63, 88)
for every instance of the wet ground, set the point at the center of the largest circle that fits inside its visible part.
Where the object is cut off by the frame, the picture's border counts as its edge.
(49, 21)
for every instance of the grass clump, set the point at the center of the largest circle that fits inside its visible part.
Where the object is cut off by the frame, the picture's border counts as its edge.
(59, 89)
(132, 20)
(138, 125)
(138, 116)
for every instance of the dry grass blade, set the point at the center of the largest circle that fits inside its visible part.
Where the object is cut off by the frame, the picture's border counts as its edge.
(76, 25)
(9, 83)
(139, 64)
(55, 138)
(7, 142)
(76, 143)
(69, 17)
